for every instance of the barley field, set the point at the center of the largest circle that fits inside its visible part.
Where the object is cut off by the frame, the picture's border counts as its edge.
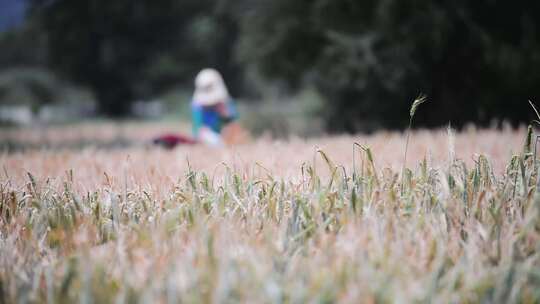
(344, 219)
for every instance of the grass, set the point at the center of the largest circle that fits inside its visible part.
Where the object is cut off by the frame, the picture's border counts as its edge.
(414, 106)
(290, 222)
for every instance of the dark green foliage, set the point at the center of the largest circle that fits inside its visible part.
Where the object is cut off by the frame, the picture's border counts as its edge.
(126, 50)
(475, 59)
(23, 46)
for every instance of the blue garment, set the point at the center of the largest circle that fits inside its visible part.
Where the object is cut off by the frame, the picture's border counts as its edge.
(209, 117)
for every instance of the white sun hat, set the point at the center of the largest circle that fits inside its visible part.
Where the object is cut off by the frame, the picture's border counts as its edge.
(210, 88)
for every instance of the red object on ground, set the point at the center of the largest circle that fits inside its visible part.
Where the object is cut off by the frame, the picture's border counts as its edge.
(170, 141)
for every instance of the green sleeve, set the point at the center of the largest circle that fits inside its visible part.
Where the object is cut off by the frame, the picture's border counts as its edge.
(196, 116)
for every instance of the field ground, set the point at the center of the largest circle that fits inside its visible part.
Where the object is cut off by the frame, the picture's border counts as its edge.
(115, 148)
(269, 221)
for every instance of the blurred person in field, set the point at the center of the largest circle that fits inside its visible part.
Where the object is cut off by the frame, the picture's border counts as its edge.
(213, 111)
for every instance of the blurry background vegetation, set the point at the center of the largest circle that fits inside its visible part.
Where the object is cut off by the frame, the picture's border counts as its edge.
(296, 66)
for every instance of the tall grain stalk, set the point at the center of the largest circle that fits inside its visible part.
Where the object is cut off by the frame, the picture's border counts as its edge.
(416, 103)
(537, 136)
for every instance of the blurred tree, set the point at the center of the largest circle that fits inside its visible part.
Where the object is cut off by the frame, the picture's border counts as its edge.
(477, 60)
(23, 46)
(125, 50)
